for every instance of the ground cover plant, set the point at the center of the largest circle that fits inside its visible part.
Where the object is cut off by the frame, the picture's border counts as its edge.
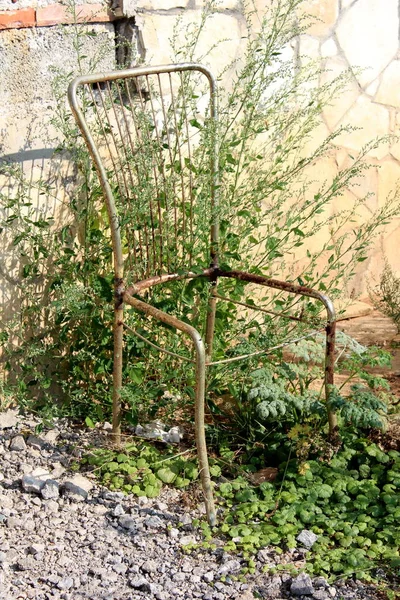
(265, 413)
(351, 502)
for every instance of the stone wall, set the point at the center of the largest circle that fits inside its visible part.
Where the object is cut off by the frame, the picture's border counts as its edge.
(35, 40)
(364, 34)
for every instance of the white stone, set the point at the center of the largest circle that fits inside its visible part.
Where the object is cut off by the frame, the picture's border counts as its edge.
(187, 539)
(6, 501)
(329, 48)
(372, 121)
(307, 538)
(373, 87)
(51, 436)
(41, 473)
(368, 34)
(395, 144)
(389, 89)
(17, 443)
(50, 490)
(81, 482)
(229, 5)
(159, 4)
(309, 46)
(325, 13)
(228, 29)
(344, 98)
(8, 418)
(389, 180)
(36, 548)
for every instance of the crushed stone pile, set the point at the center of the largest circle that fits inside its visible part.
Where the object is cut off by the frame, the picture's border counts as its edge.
(64, 537)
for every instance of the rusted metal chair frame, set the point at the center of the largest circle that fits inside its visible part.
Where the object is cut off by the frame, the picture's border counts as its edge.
(128, 296)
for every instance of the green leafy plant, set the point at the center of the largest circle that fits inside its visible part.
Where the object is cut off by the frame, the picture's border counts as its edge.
(142, 469)
(351, 503)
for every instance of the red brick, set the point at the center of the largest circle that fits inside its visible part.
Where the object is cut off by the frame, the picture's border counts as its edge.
(14, 19)
(55, 14)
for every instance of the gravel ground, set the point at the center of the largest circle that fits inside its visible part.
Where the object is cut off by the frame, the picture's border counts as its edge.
(62, 537)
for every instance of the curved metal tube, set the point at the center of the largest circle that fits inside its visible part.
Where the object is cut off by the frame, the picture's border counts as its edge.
(199, 394)
(330, 327)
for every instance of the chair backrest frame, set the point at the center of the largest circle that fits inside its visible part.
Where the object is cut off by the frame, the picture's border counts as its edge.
(133, 74)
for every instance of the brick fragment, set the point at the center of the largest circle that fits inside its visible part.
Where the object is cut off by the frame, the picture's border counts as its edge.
(16, 19)
(56, 14)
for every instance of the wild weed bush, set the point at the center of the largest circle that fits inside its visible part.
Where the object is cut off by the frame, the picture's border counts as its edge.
(386, 296)
(60, 345)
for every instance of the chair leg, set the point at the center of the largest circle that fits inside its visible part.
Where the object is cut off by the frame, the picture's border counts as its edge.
(117, 374)
(200, 432)
(329, 378)
(199, 393)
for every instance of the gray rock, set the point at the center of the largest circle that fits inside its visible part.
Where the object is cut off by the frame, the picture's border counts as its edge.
(17, 444)
(25, 564)
(113, 496)
(302, 585)
(51, 436)
(332, 592)
(8, 418)
(6, 501)
(320, 582)
(50, 489)
(32, 484)
(186, 519)
(35, 442)
(65, 584)
(77, 488)
(173, 533)
(128, 522)
(208, 577)
(3, 557)
(36, 548)
(264, 555)
(321, 595)
(154, 522)
(307, 538)
(231, 566)
(149, 566)
(271, 591)
(74, 492)
(118, 511)
(140, 584)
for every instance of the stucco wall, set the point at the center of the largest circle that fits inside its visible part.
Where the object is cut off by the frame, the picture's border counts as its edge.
(346, 33)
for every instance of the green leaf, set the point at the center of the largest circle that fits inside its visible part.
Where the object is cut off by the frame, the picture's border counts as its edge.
(166, 475)
(89, 423)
